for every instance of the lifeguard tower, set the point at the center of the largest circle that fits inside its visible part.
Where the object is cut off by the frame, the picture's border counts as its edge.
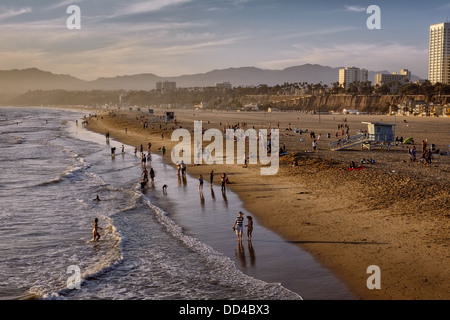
(380, 135)
(170, 115)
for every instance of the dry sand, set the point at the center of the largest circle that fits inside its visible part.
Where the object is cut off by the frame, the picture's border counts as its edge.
(393, 214)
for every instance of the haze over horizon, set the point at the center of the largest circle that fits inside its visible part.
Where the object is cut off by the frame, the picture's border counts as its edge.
(171, 38)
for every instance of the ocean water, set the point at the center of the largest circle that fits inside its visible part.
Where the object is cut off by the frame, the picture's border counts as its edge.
(154, 245)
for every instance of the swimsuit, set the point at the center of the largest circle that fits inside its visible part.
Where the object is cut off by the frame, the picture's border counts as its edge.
(239, 224)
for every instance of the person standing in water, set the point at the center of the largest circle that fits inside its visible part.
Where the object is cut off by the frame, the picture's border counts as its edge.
(200, 183)
(96, 235)
(239, 225)
(145, 174)
(152, 175)
(211, 178)
(223, 179)
(249, 226)
(183, 168)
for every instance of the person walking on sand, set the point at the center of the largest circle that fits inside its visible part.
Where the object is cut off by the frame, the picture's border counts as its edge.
(239, 225)
(314, 144)
(249, 226)
(96, 235)
(427, 158)
(412, 154)
(424, 148)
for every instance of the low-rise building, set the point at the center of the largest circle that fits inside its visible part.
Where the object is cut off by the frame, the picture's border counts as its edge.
(166, 86)
(393, 80)
(223, 85)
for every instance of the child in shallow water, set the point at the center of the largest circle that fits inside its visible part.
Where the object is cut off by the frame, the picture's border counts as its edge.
(249, 226)
(96, 235)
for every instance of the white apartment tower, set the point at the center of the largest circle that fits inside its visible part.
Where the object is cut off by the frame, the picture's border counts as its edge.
(352, 75)
(439, 63)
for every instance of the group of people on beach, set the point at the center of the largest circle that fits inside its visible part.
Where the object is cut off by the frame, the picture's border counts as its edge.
(238, 226)
(181, 169)
(343, 129)
(427, 153)
(224, 180)
(147, 176)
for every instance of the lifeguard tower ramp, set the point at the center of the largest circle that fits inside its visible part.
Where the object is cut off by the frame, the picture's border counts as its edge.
(378, 135)
(351, 142)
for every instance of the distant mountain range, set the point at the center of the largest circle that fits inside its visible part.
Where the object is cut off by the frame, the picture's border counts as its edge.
(20, 81)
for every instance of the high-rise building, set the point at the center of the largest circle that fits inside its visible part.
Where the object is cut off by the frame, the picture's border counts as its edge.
(439, 58)
(352, 75)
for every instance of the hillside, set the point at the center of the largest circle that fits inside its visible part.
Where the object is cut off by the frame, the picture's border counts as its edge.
(21, 81)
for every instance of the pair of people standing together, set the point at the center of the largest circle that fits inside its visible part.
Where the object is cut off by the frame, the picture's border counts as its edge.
(239, 226)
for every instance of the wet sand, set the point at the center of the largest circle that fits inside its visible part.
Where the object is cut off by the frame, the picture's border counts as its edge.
(209, 217)
(393, 214)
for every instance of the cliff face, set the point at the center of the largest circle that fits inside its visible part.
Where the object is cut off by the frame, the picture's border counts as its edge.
(338, 103)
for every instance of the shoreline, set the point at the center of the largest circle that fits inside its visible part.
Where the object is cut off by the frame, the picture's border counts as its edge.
(328, 211)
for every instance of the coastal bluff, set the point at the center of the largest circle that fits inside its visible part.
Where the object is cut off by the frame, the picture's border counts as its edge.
(363, 103)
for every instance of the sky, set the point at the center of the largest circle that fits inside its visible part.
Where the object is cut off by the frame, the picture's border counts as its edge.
(179, 37)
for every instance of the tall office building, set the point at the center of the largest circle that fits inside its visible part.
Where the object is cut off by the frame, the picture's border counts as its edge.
(439, 63)
(351, 75)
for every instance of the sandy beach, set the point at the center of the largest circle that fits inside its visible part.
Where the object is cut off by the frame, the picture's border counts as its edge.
(393, 214)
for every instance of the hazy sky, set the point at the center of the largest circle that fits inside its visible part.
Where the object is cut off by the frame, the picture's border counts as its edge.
(176, 37)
